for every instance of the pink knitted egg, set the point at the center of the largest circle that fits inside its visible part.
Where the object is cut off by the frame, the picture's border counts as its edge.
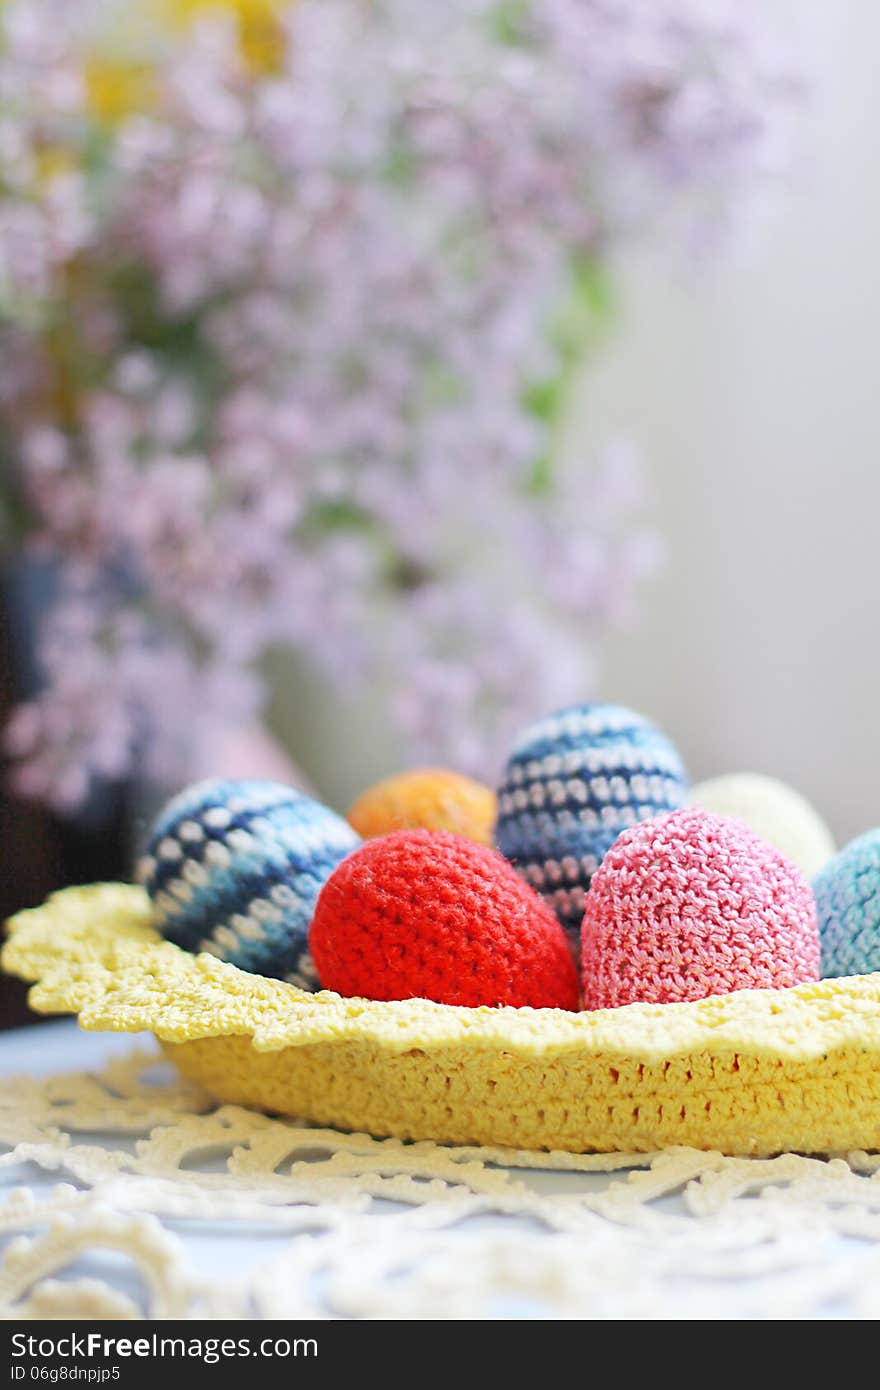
(692, 904)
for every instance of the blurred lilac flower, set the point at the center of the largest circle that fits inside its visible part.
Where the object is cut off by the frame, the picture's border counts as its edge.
(285, 352)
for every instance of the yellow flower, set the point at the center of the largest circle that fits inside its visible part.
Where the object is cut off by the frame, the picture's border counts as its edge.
(117, 87)
(51, 161)
(258, 24)
(120, 83)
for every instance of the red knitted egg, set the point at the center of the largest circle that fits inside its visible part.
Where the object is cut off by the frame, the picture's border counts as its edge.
(425, 914)
(691, 904)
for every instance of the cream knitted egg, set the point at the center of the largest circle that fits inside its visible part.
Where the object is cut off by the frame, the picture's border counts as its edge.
(774, 811)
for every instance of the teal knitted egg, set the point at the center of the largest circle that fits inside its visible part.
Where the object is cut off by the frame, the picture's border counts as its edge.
(235, 868)
(848, 903)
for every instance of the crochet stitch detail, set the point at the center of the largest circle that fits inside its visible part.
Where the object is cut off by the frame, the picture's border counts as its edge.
(235, 868)
(574, 781)
(690, 905)
(774, 811)
(106, 1157)
(756, 1072)
(424, 914)
(848, 903)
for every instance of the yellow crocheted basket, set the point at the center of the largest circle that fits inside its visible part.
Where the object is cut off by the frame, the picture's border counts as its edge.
(757, 1072)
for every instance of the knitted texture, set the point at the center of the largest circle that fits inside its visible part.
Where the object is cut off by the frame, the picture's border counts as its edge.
(690, 905)
(756, 1072)
(235, 868)
(774, 811)
(426, 799)
(573, 782)
(848, 903)
(424, 914)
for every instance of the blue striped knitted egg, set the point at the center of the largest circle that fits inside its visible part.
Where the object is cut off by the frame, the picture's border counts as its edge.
(574, 781)
(847, 895)
(235, 868)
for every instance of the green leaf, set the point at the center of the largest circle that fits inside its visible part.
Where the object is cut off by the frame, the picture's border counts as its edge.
(575, 330)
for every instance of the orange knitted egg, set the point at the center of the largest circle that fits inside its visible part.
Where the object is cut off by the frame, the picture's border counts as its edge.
(428, 798)
(426, 915)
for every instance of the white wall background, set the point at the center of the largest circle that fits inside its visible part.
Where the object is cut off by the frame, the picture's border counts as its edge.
(755, 393)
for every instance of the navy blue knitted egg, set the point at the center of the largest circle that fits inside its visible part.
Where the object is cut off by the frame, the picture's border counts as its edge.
(574, 781)
(847, 894)
(235, 868)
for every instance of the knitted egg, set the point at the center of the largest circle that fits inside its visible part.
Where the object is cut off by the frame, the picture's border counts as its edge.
(426, 799)
(573, 782)
(235, 868)
(424, 914)
(848, 903)
(774, 811)
(692, 904)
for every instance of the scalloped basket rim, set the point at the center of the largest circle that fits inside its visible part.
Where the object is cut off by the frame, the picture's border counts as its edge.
(115, 919)
(755, 1072)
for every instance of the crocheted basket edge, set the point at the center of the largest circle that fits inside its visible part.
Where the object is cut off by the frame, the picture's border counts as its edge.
(92, 951)
(758, 1072)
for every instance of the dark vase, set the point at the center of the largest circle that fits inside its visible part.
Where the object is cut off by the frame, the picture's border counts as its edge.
(39, 851)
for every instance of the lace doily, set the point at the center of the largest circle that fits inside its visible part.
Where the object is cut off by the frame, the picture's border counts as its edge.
(111, 1181)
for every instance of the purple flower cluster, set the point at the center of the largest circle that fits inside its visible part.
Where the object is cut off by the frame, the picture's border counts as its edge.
(284, 352)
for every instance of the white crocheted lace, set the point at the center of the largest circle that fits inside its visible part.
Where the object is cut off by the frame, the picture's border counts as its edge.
(356, 1227)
